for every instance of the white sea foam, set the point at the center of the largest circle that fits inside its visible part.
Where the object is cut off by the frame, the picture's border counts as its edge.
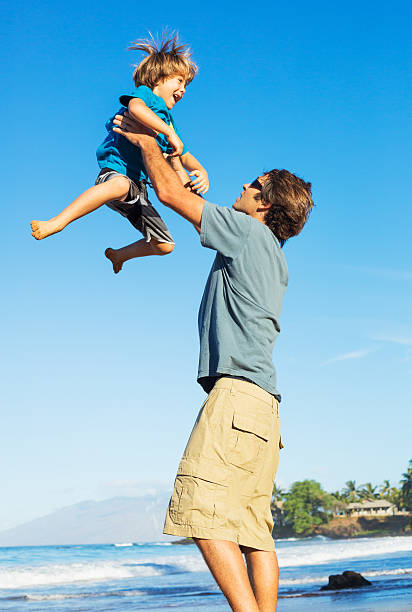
(97, 571)
(54, 597)
(324, 579)
(299, 581)
(290, 554)
(316, 553)
(310, 580)
(60, 597)
(393, 572)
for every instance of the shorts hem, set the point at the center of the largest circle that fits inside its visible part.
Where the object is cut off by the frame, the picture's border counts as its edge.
(206, 533)
(269, 547)
(149, 236)
(192, 531)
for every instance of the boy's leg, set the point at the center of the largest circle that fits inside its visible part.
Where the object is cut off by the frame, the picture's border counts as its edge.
(225, 561)
(141, 248)
(145, 218)
(116, 188)
(263, 573)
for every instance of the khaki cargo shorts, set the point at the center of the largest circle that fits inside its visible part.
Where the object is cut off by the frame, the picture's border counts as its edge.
(224, 482)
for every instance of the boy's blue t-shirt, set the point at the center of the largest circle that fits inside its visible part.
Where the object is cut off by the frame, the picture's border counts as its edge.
(118, 153)
(240, 310)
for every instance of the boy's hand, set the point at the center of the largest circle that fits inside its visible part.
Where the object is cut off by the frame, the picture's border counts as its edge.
(200, 183)
(174, 161)
(175, 143)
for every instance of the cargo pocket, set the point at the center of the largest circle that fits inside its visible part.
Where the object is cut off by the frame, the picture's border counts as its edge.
(250, 434)
(200, 494)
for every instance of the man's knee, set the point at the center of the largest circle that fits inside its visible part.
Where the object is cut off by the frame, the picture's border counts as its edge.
(162, 248)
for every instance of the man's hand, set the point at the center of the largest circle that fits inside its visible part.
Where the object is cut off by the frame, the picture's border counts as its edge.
(131, 129)
(165, 181)
(134, 131)
(200, 183)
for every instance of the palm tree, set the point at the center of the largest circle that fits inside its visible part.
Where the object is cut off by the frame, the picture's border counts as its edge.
(406, 488)
(368, 491)
(395, 496)
(277, 494)
(350, 491)
(385, 489)
(339, 496)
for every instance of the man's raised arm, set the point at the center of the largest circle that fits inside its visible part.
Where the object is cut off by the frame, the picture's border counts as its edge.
(165, 181)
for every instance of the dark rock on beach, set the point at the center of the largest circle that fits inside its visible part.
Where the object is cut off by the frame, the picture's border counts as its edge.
(347, 580)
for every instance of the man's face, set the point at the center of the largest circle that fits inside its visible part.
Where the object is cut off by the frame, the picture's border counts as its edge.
(171, 90)
(249, 200)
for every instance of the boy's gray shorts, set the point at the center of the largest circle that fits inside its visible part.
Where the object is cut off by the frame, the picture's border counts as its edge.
(138, 209)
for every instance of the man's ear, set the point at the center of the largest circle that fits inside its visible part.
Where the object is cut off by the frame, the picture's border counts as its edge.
(263, 206)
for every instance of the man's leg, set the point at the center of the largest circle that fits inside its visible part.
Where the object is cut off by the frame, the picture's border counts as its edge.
(225, 561)
(263, 573)
(238, 504)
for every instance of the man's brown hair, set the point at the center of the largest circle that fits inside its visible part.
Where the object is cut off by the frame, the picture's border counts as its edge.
(291, 200)
(165, 58)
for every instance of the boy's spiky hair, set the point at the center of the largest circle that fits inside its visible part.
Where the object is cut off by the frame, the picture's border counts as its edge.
(165, 57)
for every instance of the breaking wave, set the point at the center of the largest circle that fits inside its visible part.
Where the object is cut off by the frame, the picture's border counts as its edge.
(306, 553)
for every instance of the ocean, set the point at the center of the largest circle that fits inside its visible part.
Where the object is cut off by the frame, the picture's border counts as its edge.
(129, 576)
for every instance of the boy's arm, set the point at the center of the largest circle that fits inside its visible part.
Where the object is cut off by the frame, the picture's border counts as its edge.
(143, 114)
(165, 182)
(176, 164)
(201, 181)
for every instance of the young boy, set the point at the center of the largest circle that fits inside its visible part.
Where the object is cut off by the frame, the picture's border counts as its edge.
(160, 80)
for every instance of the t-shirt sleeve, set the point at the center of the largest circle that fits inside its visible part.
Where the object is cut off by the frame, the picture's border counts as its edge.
(224, 229)
(142, 92)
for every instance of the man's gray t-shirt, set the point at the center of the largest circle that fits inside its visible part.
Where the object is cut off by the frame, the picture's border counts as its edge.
(240, 309)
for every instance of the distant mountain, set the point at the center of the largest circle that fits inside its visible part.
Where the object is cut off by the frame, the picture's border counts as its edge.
(116, 520)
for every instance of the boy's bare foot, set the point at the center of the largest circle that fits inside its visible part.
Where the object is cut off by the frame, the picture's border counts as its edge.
(42, 229)
(116, 261)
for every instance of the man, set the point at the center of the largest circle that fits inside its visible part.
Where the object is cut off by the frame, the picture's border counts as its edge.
(224, 483)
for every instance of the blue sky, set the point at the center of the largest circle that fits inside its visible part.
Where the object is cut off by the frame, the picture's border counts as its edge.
(99, 391)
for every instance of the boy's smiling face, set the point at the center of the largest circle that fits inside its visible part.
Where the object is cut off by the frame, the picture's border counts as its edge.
(171, 90)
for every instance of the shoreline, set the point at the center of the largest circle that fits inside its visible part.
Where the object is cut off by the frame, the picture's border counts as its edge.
(292, 538)
(344, 528)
